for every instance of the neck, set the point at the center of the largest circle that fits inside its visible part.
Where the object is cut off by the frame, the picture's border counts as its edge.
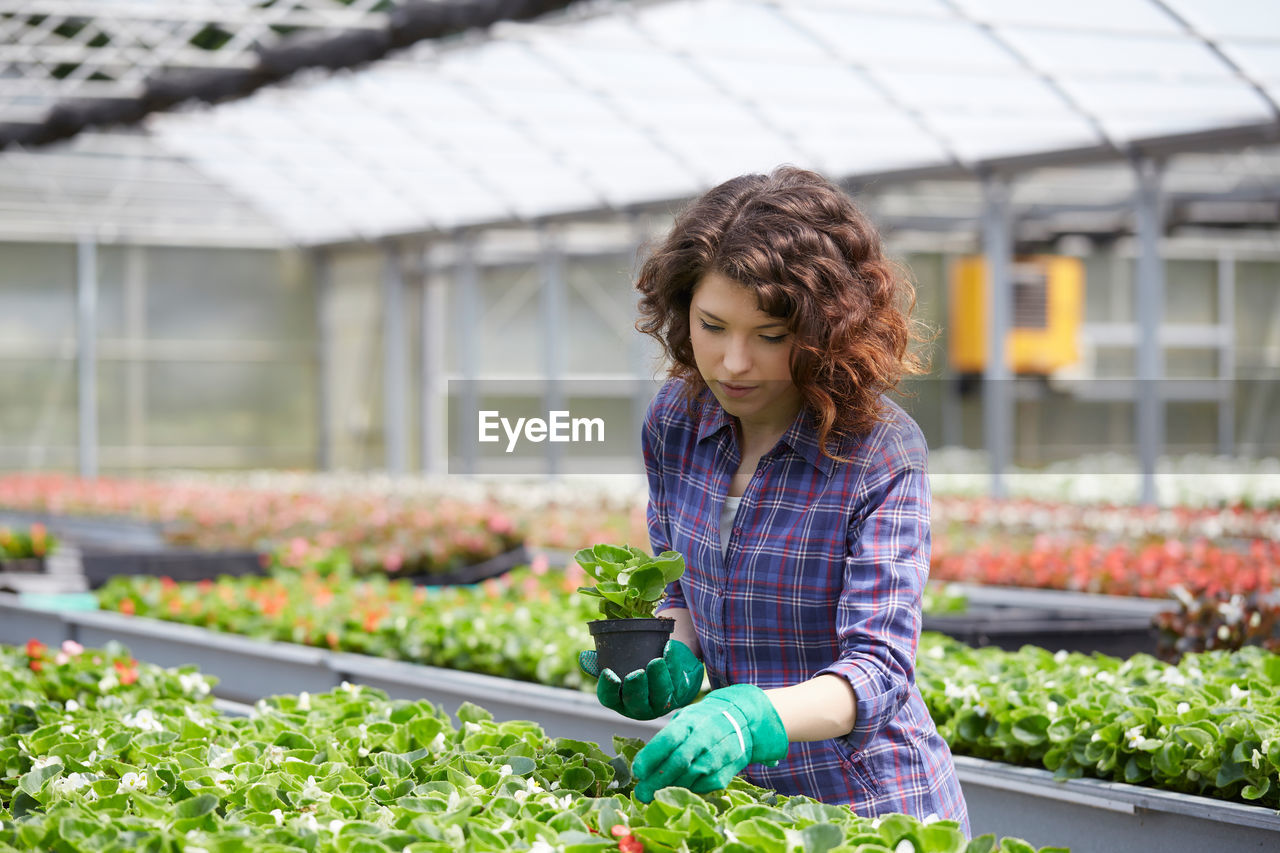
(758, 437)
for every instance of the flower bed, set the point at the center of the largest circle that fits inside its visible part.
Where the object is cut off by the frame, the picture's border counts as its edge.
(1208, 726)
(350, 771)
(523, 625)
(379, 533)
(526, 627)
(1152, 571)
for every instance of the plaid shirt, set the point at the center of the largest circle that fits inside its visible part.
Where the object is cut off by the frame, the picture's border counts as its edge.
(824, 573)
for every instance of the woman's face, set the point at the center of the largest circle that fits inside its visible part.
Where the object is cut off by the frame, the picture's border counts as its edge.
(743, 354)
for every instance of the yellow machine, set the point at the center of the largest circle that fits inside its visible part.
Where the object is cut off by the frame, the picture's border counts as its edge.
(1048, 306)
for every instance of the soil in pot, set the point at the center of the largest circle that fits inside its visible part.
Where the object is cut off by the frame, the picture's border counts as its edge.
(625, 645)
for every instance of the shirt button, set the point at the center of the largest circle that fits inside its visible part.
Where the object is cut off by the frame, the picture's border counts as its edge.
(737, 531)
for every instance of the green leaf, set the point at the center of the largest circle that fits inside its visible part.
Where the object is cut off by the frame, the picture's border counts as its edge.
(577, 779)
(471, 713)
(1031, 729)
(196, 806)
(821, 837)
(982, 844)
(33, 782)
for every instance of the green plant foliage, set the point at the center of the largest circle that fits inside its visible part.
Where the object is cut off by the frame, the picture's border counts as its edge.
(350, 771)
(628, 582)
(1209, 725)
(26, 544)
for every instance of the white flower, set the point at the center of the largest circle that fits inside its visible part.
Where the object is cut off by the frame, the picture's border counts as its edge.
(274, 754)
(1237, 693)
(193, 683)
(437, 743)
(108, 682)
(1095, 737)
(1105, 678)
(1051, 707)
(72, 705)
(45, 761)
(144, 720)
(1060, 655)
(905, 846)
(504, 771)
(309, 822)
(221, 778)
(506, 824)
(312, 791)
(1184, 707)
(1232, 611)
(279, 816)
(335, 825)
(540, 846)
(133, 781)
(362, 751)
(1134, 736)
(71, 783)
(931, 817)
(520, 796)
(222, 758)
(1224, 633)
(304, 701)
(1173, 677)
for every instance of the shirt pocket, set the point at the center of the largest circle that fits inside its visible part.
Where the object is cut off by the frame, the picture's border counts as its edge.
(861, 770)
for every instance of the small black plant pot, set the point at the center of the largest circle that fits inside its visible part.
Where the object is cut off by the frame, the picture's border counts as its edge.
(625, 645)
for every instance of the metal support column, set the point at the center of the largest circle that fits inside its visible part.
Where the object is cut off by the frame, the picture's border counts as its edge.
(87, 353)
(997, 380)
(1149, 313)
(1227, 353)
(434, 411)
(643, 348)
(324, 358)
(554, 307)
(135, 331)
(467, 285)
(394, 367)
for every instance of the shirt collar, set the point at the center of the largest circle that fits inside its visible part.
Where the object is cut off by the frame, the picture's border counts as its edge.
(801, 436)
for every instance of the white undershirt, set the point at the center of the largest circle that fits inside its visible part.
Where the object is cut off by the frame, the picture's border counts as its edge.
(726, 522)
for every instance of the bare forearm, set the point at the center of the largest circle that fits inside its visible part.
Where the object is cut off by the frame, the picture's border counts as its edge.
(684, 628)
(817, 709)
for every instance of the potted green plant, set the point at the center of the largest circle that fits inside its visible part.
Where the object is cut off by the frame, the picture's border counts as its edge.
(629, 584)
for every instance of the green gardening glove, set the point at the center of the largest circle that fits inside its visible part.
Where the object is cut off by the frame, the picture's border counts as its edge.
(708, 743)
(666, 683)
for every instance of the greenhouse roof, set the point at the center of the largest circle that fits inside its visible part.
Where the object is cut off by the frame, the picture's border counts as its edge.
(607, 106)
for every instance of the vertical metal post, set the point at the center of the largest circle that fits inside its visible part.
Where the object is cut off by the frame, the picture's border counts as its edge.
(394, 368)
(997, 408)
(642, 346)
(135, 319)
(433, 413)
(554, 304)
(1227, 353)
(87, 353)
(323, 272)
(468, 338)
(1149, 313)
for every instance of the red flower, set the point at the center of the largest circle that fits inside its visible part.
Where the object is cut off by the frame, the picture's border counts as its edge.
(630, 844)
(36, 666)
(128, 671)
(35, 648)
(127, 607)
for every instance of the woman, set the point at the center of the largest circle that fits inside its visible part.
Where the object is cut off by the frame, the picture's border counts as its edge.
(799, 497)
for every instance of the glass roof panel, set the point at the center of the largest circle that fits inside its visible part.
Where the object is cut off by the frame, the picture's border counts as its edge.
(1129, 109)
(1137, 16)
(1251, 19)
(1114, 55)
(898, 41)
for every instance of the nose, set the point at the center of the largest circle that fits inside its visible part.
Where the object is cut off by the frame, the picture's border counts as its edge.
(737, 356)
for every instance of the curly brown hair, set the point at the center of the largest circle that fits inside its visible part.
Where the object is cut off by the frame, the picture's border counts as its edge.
(814, 261)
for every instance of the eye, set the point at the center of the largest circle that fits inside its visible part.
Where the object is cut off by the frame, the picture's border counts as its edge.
(774, 339)
(710, 328)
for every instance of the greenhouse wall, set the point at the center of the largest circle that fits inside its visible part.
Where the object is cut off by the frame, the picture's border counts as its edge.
(205, 358)
(210, 358)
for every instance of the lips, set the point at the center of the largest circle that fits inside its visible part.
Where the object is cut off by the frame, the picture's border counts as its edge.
(735, 390)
